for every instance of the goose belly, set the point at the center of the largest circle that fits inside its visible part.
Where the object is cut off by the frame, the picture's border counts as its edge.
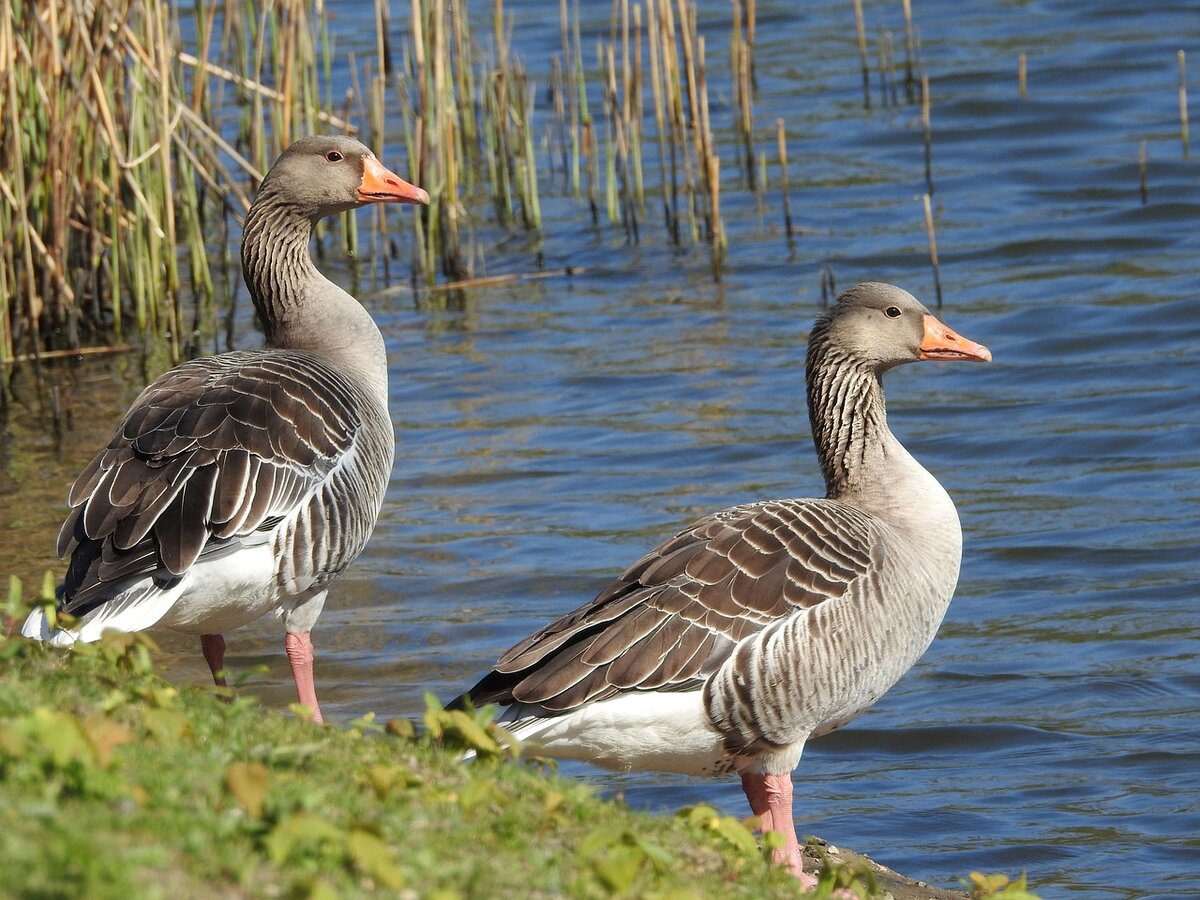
(634, 732)
(223, 594)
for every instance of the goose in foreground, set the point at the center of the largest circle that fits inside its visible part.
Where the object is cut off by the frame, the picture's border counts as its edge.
(756, 628)
(245, 483)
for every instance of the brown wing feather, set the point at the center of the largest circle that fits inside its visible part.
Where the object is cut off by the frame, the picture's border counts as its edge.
(677, 613)
(208, 452)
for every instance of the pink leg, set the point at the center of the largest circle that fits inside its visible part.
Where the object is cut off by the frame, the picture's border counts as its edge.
(773, 795)
(300, 654)
(756, 793)
(213, 648)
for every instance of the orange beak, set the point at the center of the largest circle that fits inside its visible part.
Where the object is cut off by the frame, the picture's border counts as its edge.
(381, 186)
(941, 342)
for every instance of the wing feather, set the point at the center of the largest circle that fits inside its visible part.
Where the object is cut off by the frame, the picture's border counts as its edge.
(209, 452)
(676, 614)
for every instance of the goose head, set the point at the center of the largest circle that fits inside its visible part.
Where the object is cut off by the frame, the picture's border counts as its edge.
(319, 176)
(881, 326)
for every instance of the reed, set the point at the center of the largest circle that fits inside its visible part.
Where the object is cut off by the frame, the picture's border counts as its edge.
(933, 250)
(927, 128)
(1181, 58)
(141, 148)
(864, 62)
(888, 87)
(781, 142)
(1022, 76)
(910, 52)
(118, 201)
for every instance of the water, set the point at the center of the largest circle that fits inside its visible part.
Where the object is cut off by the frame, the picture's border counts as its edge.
(551, 431)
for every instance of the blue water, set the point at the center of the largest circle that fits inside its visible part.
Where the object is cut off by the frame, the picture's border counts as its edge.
(551, 431)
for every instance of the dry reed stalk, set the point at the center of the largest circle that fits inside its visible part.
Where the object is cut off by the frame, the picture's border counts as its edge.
(910, 55)
(1022, 75)
(860, 28)
(718, 231)
(745, 96)
(927, 128)
(933, 251)
(781, 141)
(707, 151)
(688, 36)
(657, 92)
(482, 281)
(636, 111)
(111, 191)
(205, 69)
(1181, 57)
(751, 31)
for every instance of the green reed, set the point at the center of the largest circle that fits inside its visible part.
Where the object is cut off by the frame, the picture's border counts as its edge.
(125, 151)
(112, 162)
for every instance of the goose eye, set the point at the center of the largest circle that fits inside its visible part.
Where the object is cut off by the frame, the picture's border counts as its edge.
(333, 156)
(892, 312)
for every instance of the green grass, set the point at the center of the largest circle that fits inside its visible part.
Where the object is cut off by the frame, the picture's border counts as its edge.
(114, 783)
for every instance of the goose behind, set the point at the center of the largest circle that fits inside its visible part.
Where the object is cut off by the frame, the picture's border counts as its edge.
(245, 483)
(758, 627)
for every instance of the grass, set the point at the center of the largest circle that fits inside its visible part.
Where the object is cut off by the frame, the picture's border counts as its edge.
(114, 783)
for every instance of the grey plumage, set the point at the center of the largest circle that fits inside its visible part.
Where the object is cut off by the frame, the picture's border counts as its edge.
(272, 462)
(218, 449)
(787, 618)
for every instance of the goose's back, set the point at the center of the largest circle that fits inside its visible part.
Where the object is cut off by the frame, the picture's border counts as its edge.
(244, 447)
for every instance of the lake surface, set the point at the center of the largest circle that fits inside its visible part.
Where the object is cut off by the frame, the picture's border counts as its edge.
(551, 431)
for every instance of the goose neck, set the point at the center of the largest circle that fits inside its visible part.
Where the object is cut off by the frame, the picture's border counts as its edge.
(276, 264)
(849, 421)
(301, 309)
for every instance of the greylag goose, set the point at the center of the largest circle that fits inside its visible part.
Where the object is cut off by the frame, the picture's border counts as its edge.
(245, 483)
(756, 628)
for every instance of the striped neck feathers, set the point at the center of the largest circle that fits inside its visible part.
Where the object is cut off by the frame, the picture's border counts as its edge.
(848, 416)
(299, 308)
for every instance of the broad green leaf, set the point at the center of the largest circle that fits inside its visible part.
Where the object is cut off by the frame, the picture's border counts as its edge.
(472, 732)
(736, 834)
(619, 867)
(300, 830)
(475, 794)
(167, 726)
(60, 735)
(373, 856)
(247, 782)
(656, 854)
(387, 778)
(401, 728)
(599, 838)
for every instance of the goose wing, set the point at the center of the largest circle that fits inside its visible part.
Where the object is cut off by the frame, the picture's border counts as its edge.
(673, 617)
(210, 453)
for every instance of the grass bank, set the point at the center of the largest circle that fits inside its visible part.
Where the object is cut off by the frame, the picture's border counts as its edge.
(114, 783)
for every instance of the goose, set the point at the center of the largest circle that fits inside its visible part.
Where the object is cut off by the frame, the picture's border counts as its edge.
(726, 648)
(246, 483)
